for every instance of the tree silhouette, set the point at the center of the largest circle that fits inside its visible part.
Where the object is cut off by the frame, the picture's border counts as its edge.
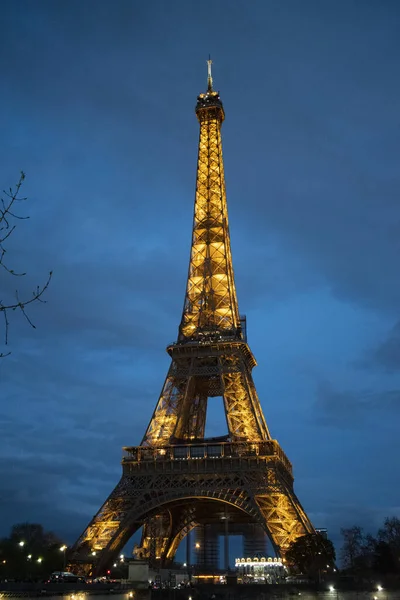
(8, 220)
(30, 552)
(363, 554)
(352, 551)
(311, 554)
(388, 544)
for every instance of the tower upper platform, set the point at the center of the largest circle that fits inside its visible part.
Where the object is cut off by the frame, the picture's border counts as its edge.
(208, 104)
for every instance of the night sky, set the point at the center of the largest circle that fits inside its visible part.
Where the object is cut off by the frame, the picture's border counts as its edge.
(97, 107)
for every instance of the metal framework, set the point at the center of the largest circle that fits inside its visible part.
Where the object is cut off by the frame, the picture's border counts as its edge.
(176, 479)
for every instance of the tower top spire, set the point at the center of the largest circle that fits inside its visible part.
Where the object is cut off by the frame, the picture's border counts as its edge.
(210, 99)
(209, 78)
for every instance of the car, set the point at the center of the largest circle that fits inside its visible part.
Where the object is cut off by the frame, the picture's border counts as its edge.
(65, 577)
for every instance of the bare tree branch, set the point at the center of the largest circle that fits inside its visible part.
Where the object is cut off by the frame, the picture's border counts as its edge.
(7, 228)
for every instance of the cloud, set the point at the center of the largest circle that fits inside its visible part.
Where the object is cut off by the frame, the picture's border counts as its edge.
(340, 515)
(61, 442)
(351, 408)
(386, 355)
(62, 494)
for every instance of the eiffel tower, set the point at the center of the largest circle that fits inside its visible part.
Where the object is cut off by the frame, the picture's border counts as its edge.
(177, 479)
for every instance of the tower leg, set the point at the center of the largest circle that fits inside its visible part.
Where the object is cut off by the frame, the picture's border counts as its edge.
(155, 536)
(284, 517)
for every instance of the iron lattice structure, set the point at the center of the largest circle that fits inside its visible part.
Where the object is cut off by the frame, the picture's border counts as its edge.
(176, 479)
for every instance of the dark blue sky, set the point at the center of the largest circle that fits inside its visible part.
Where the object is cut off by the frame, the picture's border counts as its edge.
(97, 106)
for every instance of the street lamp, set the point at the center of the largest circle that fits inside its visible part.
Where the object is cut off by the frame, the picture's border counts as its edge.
(63, 549)
(39, 559)
(22, 543)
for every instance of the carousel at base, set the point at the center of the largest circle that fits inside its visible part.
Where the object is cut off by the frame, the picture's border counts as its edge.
(260, 570)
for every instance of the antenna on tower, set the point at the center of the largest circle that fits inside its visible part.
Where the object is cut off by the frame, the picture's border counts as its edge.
(209, 78)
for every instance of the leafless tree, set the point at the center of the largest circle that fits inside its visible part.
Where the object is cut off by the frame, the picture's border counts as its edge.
(8, 223)
(390, 535)
(352, 549)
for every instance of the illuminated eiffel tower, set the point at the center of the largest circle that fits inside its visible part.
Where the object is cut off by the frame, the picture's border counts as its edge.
(177, 479)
